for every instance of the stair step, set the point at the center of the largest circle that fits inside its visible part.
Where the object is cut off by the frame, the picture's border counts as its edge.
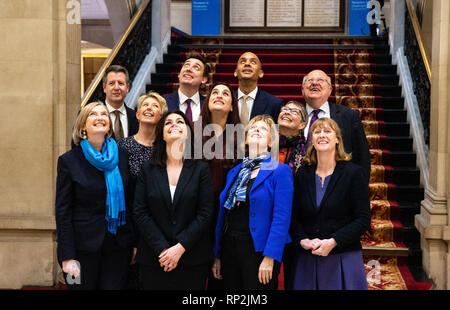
(408, 212)
(394, 115)
(397, 128)
(399, 143)
(385, 251)
(402, 159)
(409, 193)
(406, 176)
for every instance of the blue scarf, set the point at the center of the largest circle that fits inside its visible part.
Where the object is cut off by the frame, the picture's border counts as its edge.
(238, 190)
(108, 161)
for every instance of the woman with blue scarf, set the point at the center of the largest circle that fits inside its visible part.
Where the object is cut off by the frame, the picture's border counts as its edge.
(253, 223)
(94, 230)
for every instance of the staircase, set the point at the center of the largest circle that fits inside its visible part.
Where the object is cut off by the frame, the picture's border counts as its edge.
(364, 79)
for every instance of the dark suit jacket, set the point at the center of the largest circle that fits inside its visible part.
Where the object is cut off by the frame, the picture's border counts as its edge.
(80, 205)
(344, 213)
(163, 223)
(133, 124)
(353, 134)
(266, 103)
(173, 101)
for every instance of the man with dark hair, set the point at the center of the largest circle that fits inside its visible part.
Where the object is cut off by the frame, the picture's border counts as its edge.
(252, 100)
(116, 84)
(187, 98)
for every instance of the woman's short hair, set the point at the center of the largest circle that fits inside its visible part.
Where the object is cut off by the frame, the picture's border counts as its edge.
(80, 123)
(154, 95)
(303, 113)
(340, 154)
(274, 136)
(159, 149)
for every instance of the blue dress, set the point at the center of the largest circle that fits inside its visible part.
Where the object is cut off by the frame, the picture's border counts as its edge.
(342, 271)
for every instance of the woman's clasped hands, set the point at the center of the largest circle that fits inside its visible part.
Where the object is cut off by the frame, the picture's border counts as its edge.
(320, 247)
(168, 259)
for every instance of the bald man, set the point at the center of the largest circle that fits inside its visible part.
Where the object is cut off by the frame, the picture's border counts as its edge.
(252, 100)
(316, 89)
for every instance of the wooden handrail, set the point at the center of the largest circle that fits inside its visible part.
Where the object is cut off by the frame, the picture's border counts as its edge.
(416, 26)
(98, 77)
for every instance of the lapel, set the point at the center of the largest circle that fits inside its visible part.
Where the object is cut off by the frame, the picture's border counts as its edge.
(185, 177)
(311, 183)
(266, 169)
(337, 173)
(162, 182)
(259, 105)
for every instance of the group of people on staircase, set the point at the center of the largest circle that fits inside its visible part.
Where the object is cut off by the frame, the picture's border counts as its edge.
(131, 194)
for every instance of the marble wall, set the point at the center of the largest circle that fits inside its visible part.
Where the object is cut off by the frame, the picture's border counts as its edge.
(40, 58)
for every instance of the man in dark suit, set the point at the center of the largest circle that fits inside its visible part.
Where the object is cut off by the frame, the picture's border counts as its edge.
(316, 89)
(187, 98)
(252, 100)
(116, 84)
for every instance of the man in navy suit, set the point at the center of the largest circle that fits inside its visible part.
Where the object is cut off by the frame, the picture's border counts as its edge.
(187, 98)
(252, 100)
(116, 84)
(316, 89)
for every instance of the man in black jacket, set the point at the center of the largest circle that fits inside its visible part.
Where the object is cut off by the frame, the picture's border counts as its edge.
(316, 89)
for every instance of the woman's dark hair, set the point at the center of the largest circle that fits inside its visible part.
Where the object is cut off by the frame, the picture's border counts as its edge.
(233, 116)
(159, 150)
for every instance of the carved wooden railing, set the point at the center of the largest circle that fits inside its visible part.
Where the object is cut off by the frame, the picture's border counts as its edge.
(419, 67)
(129, 52)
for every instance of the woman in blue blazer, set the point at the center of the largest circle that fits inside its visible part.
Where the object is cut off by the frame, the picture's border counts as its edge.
(330, 213)
(254, 217)
(95, 234)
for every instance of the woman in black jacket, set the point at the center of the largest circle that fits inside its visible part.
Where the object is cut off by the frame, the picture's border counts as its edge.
(173, 208)
(330, 212)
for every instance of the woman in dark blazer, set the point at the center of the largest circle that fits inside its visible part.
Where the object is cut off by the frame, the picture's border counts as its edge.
(253, 223)
(220, 148)
(331, 211)
(93, 220)
(173, 209)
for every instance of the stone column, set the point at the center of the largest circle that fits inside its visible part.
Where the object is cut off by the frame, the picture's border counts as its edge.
(433, 220)
(40, 60)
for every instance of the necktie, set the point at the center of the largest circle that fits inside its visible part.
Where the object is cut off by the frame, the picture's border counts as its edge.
(118, 130)
(189, 110)
(244, 115)
(313, 119)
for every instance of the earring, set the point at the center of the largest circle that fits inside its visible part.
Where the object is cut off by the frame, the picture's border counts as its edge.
(83, 134)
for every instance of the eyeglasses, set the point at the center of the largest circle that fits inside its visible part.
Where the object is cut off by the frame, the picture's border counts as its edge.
(319, 81)
(293, 111)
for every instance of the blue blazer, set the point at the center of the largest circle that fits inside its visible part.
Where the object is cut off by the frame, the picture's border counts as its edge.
(173, 101)
(270, 208)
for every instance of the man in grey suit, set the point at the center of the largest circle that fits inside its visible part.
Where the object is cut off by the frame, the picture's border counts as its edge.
(252, 100)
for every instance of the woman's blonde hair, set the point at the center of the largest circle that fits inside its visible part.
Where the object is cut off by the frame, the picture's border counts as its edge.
(80, 123)
(340, 154)
(151, 94)
(272, 127)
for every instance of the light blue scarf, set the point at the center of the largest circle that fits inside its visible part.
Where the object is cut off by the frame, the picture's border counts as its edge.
(108, 161)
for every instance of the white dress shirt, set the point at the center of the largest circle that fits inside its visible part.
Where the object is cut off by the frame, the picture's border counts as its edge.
(195, 104)
(250, 100)
(123, 117)
(325, 112)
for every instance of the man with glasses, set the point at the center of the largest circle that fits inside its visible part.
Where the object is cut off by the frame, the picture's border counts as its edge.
(316, 89)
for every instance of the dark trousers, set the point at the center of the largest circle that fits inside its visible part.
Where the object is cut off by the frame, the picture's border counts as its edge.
(106, 269)
(240, 265)
(288, 264)
(181, 278)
